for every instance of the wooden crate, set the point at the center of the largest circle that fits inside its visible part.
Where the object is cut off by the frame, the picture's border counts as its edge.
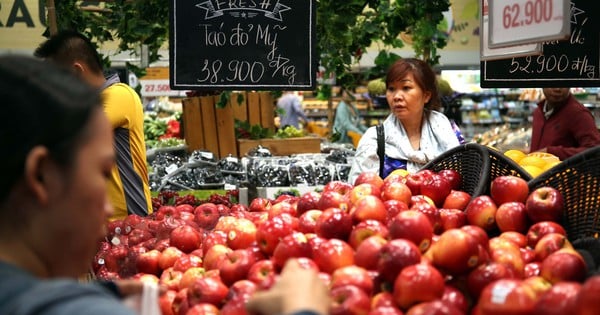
(280, 147)
(207, 127)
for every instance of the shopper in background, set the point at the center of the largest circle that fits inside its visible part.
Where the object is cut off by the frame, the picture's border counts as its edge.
(562, 126)
(347, 118)
(415, 132)
(299, 291)
(128, 189)
(53, 201)
(291, 106)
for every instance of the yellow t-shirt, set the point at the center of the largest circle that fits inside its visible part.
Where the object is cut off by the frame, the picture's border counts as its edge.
(128, 187)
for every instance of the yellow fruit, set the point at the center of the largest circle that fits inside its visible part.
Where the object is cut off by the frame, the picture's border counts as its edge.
(550, 164)
(548, 157)
(534, 171)
(400, 171)
(515, 155)
(533, 161)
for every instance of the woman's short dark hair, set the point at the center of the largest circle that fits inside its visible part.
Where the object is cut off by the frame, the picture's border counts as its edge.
(424, 75)
(49, 106)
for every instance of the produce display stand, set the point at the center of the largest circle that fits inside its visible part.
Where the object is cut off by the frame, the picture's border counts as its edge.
(282, 147)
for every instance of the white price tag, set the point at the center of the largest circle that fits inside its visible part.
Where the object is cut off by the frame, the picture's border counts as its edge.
(207, 155)
(514, 22)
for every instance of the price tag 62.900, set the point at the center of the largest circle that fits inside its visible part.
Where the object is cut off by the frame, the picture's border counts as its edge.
(516, 22)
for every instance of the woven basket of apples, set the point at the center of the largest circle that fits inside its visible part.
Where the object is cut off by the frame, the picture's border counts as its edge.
(382, 245)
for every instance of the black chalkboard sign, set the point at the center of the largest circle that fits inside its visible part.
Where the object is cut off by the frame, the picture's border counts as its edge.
(242, 45)
(574, 62)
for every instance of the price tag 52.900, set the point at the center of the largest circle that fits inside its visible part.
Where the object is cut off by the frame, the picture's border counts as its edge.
(516, 22)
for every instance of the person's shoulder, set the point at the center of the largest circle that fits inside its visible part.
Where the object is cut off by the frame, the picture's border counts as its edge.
(121, 90)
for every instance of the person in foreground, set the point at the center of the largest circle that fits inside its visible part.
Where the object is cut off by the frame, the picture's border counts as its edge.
(129, 189)
(299, 291)
(415, 132)
(53, 192)
(562, 126)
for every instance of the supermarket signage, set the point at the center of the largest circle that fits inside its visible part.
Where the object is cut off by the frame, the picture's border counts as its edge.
(573, 62)
(242, 45)
(489, 53)
(514, 22)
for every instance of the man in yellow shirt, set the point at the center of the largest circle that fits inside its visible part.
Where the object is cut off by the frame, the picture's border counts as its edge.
(128, 188)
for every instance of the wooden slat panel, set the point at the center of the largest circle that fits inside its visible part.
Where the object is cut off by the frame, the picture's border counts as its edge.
(226, 131)
(240, 110)
(253, 108)
(209, 123)
(192, 123)
(267, 109)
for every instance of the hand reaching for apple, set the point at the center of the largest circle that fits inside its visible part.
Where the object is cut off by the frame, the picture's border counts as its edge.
(298, 289)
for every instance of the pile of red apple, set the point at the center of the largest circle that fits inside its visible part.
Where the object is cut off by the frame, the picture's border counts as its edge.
(406, 244)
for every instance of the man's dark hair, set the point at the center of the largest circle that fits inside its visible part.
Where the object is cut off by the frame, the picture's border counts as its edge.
(67, 47)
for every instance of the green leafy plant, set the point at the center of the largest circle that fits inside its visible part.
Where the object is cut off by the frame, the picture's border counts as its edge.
(243, 130)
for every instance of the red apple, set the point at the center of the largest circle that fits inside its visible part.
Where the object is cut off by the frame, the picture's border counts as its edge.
(189, 276)
(394, 256)
(307, 221)
(366, 229)
(455, 297)
(286, 206)
(509, 188)
(485, 274)
(456, 252)
(334, 223)
(587, 299)
(433, 214)
(214, 255)
(563, 265)
(308, 201)
(453, 176)
(170, 278)
(354, 275)
(369, 178)
(180, 304)
(362, 190)
(367, 252)
(383, 298)
(532, 269)
(148, 262)
(212, 238)
(385, 310)
(332, 199)
(550, 243)
(242, 290)
(417, 283)
(169, 257)
(333, 254)
(203, 309)
(413, 226)
(235, 265)
(457, 199)
(396, 190)
(262, 273)
(186, 238)
(272, 230)
(393, 207)
(259, 204)
(507, 297)
(437, 188)
(206, 215)
(511, 216)
(185, 207)
(291, 246)
(338, 186)
(481, 211)
(207, 290)
(415, 180)
(452, 218)
(349, 300)
(516, 237)
(165, 212)
(368, 207)
(558, 300)
(539, 229)
(544, 204)
(478, 233)
(435, 307)
(165, 302)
